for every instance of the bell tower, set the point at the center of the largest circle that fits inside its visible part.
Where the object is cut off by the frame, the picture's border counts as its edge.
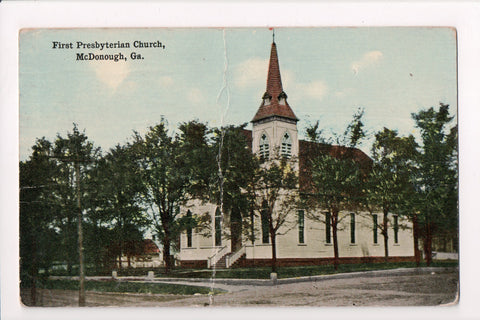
(274, 125)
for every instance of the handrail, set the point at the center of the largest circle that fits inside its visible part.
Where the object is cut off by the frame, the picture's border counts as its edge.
(216, 257)
(231, 259)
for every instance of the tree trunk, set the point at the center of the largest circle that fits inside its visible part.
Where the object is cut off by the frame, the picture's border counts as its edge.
(335, 238)
(274, 250)
(385, 234)
(428, 244)
(166, 253)
(415, 240)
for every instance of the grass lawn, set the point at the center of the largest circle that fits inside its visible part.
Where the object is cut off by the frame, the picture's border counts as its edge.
(261, 272)
(123, 286)
(292, 272)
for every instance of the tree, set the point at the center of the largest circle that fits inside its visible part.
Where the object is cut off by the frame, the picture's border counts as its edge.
(276, 180)
(389, 182)
(117, 202)
(337, 176)
(37, 234)
(166, 179)
(235, 171)
(77, 150)
(437, 180)
(194, 146)
(336, 182)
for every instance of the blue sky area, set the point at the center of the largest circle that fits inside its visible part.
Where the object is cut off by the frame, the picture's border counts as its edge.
(219, 76)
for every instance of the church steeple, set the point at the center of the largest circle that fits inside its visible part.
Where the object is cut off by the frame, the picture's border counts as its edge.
(274, 99)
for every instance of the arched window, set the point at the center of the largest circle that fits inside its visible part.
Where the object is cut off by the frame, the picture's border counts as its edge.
(286, 147)
(267, 98)
(218, 227)
(264, 147)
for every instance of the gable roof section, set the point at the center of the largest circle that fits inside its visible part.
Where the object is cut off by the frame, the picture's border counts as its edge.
(309, 150)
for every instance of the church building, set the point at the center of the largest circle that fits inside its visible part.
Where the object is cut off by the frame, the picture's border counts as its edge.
(309, 241)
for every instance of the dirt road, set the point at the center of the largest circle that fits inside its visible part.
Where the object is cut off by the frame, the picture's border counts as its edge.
(435, 288)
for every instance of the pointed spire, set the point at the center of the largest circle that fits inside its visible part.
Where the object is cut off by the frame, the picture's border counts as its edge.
(274, 80)
(275, 99)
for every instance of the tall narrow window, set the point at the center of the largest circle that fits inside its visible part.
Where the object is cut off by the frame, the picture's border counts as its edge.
(264, 147)
(328, 227)
(352, 227)
(301, 226)
(189, 229)
(286, 147)
(218, 227)
(395, 229)
(265, 226)
(375, 229)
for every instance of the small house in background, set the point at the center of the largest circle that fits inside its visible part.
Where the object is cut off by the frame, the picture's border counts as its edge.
(146, 254)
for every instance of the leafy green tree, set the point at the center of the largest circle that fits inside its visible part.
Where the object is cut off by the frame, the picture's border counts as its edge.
(117, 203)
(337, 176)
(37, 207)
(275, 181)
(75, 156)
(337, 182)
(235, 170)
(166, 181)
(389, 182)
(437, 180)
(78, 155)
(199, 155)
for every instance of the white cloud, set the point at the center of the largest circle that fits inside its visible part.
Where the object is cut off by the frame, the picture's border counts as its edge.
(367, 60)
(250, 73)
(109, 72)
(315, 89)
(195, 95)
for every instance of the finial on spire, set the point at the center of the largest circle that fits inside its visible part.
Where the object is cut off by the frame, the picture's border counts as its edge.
(273, 33)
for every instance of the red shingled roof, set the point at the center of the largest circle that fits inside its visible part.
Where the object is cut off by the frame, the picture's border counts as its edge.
(150, 247)
(274, 89)
(309, 150)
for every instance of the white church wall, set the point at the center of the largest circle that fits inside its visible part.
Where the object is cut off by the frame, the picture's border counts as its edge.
(316, 246)
(203, 240)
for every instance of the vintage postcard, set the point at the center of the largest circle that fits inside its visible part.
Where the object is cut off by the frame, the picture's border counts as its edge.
(245, 167)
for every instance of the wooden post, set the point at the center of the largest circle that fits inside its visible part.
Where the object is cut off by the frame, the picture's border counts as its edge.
(81, 293)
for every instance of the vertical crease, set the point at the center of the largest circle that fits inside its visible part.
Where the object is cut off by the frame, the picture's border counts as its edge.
(223, 90)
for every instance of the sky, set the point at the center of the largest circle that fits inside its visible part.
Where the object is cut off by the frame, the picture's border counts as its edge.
(219, 75)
